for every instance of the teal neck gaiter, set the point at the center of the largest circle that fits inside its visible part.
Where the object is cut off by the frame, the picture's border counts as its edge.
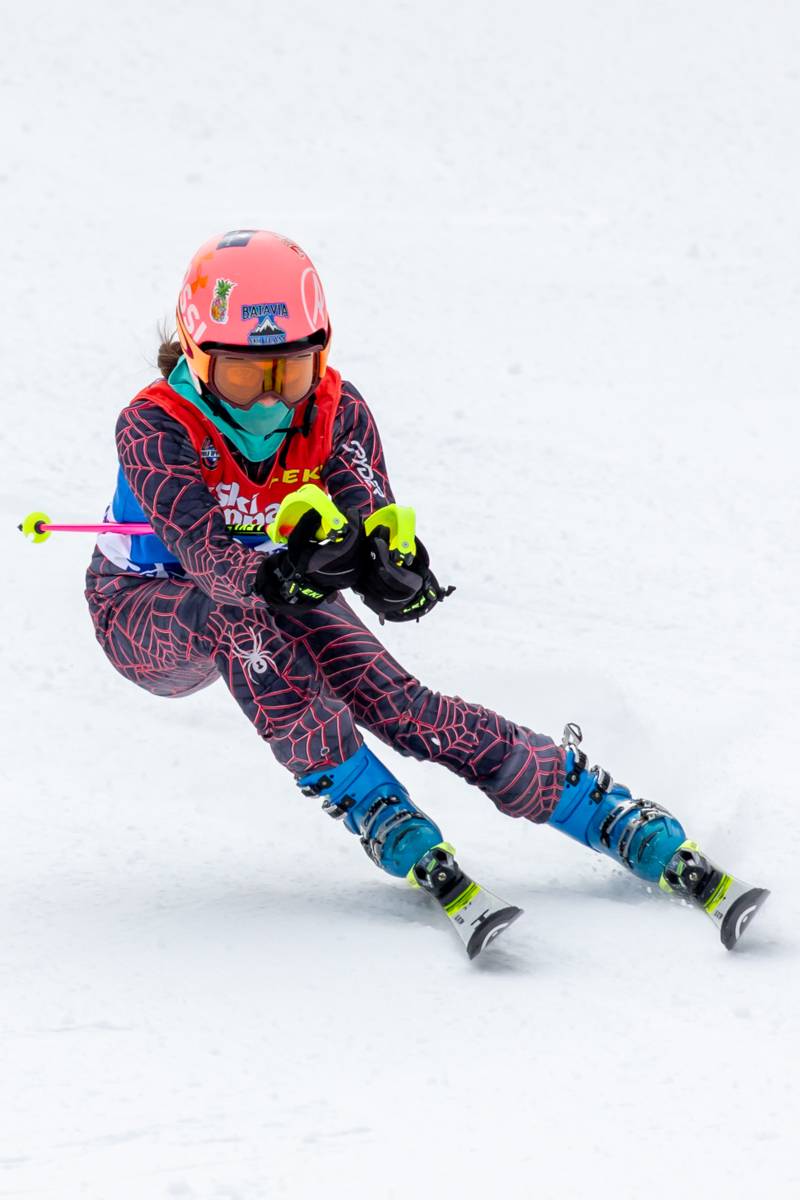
(257, 434)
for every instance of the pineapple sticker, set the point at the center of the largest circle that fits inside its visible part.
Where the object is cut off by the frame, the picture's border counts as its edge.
(219, 305)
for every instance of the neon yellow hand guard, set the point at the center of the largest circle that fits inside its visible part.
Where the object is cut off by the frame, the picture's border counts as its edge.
(401, 524)
(295, 506)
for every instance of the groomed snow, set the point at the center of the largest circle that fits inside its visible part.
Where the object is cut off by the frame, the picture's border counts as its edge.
(561, 250)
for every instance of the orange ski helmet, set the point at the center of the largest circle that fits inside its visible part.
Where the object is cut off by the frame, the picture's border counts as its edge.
(252, 292)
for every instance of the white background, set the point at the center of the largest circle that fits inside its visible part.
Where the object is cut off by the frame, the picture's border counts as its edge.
(560, 246)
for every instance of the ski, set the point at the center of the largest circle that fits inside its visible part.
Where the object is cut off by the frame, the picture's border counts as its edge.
(729, 902)
(477, 915)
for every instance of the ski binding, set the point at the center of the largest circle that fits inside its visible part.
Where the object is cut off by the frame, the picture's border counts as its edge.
(729, 902)
(477, 915)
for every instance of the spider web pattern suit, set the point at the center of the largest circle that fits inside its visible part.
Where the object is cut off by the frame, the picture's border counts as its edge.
(306, 681)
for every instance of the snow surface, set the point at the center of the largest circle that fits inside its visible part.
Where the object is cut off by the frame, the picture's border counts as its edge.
(561, 245)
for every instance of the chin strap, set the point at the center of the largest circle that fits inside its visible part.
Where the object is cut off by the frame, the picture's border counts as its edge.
(304, 429)
(218, 408)
(219, 411)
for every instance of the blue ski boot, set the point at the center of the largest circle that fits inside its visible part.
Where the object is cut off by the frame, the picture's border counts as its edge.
(648, 840)
(376, 807)
(404, 842)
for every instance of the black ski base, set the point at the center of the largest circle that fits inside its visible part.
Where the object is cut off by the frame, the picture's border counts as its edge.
(486, 930)
(740, 914)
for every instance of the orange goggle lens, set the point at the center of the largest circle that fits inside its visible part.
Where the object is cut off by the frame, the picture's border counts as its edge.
(242, 380)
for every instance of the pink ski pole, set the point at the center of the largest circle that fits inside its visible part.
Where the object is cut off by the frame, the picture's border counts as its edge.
(37, 526)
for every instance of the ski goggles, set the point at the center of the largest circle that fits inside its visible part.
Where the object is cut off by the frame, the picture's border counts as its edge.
(243, 380)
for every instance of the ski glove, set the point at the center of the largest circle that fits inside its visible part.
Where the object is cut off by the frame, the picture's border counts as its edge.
(398, 588)
(311, 571)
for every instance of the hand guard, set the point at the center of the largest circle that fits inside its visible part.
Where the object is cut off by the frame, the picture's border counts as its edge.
(398, 587)
(311, 571)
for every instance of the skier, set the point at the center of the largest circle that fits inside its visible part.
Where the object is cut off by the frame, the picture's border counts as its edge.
(262, 475)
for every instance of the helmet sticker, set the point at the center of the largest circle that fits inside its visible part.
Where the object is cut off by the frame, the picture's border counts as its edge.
(237, 237)
(292, 246)
(219, 305)
(200, 280)
(313, 299)
(266, 332)
(191, 314)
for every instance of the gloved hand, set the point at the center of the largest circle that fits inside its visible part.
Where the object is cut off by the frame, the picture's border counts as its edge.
(311, 571)
(396, 587)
